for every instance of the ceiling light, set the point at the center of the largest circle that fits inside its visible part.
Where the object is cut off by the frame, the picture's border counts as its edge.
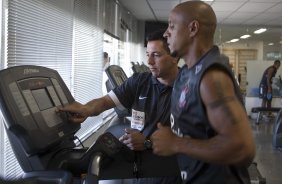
(280, 41)
(245, 36)
(261, 30)
(271, 44)
(234, 40)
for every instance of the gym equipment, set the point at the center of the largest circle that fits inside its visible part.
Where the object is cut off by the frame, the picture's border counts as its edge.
(42, 177)
(137, 68)
(255, 175)
(260, 110)
(277, 132)
(116, 76)
(43, 140)
(106, 147)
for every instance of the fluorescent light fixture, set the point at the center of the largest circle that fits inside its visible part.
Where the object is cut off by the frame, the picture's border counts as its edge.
(234, 40)
(261, 30)
(245, 36)
(271, 44)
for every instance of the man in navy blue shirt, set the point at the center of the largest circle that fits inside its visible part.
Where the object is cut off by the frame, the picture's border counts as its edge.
(146, 94)
(210, 131)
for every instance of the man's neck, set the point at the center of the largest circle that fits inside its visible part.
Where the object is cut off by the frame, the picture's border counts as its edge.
(195, 52)
(170, 78)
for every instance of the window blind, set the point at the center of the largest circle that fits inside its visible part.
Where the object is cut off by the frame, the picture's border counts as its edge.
(39, 33)
(66, 35)
(88, 58)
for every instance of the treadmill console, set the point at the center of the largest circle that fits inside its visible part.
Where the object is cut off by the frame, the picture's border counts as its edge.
(108, 144)
(29, 96)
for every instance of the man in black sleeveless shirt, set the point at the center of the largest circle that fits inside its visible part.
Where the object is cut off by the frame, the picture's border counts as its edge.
(210, 130)
(265, 86)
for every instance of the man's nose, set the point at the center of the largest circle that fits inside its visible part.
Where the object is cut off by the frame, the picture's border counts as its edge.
(165, 34)
(151, 60)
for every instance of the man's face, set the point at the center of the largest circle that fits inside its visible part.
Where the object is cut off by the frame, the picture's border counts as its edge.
(177, 34)
(159, 60)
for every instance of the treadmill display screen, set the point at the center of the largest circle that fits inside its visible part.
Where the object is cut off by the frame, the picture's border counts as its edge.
(42, 98)
(119, 80)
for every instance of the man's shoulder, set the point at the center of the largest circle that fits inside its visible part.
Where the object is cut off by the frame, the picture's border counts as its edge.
(142, 76)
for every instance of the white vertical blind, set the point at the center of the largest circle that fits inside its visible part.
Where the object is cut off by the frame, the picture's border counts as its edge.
(66, 35)
(2, 145)
(40, 33)
(88, 58)
(2, 45)
(110, 11)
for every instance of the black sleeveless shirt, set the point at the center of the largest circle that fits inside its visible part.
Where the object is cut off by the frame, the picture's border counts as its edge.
(189, 118)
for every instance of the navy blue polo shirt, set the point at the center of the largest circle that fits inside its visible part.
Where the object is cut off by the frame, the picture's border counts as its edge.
(143, 92)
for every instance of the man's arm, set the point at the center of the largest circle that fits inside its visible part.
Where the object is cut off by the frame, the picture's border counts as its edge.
(233, 143)
(79, 113)
(269, 78)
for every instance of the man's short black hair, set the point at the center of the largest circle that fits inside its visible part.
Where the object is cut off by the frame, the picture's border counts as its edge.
(106, 55)
(277, 62)
(158, 35)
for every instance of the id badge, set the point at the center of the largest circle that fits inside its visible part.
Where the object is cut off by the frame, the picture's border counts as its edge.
(137, 120)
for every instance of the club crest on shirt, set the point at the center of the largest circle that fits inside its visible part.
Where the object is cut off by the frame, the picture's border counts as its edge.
(198, 68)
(182, 99)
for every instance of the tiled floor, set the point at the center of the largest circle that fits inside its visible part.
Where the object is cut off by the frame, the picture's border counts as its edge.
(268, 158)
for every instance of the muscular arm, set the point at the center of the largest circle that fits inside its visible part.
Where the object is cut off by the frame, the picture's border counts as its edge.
(92, 108)
(233, 143)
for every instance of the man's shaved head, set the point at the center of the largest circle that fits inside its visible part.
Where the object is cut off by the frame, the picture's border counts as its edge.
(199, 11)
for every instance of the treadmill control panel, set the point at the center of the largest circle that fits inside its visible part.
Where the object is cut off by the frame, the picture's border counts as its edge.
(29, 97)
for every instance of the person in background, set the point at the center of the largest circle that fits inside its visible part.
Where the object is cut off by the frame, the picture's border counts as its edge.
(106, 62)
(210, 131)
(146, 94)
(265, 86)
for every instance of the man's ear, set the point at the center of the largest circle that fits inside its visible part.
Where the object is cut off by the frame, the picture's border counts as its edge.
(194, 28)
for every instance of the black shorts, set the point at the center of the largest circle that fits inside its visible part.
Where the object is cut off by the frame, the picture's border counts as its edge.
(263, 93)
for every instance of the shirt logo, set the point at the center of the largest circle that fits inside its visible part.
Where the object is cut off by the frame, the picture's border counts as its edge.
(198, 68)
(142, 97)
(182, 99)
